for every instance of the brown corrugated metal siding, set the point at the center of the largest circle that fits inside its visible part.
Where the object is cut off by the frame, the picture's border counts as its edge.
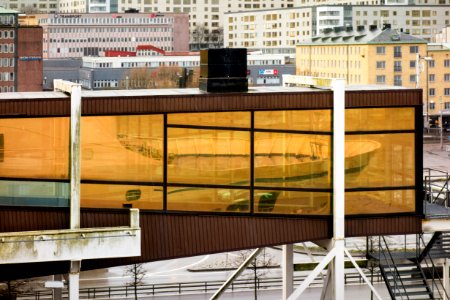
(166, 236)
(206, 102)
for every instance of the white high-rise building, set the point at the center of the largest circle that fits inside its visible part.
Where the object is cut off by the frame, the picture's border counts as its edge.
(279, 30)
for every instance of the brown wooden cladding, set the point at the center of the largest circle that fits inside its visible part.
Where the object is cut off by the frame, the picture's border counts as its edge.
(207, 102)
(166, 236)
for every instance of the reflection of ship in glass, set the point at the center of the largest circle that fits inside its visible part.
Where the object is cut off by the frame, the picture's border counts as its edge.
(296, 161)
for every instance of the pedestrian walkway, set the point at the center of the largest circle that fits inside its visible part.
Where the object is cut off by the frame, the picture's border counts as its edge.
(436, 158)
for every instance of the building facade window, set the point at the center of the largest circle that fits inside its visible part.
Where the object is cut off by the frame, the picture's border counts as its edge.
(447, 63)
(397, 51)
(398, 80)
(431, 77)
(397, 66)
(432, 106)
(381, 50)
(446, 77)
(413, 49)
(381, 79)
(432, 92)
(224, 162)
(447, 91)
(381, 64)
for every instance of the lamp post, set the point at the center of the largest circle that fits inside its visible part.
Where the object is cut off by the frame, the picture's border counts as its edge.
(426, 59)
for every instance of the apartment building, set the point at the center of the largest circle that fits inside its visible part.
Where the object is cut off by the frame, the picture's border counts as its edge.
(20, 54)
(365, 56)
(437, 72)
(77, 35)
(31, 6)
(443, 36)
(279, 30)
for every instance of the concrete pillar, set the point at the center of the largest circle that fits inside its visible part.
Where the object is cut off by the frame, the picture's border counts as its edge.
(57, 293)
(288, 270)
(74, 280)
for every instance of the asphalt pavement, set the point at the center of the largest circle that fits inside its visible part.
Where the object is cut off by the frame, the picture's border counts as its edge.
(436, 157)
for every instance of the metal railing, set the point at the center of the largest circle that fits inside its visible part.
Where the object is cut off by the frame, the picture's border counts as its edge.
(436, 187)
(436, 282)
(387, 261)
(167, 289)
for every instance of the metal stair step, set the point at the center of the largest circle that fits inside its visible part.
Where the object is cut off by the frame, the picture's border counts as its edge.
(401, 273)
(409, 279)
(413, 293)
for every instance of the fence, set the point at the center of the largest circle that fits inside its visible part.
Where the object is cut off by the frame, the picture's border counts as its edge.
(189, 287)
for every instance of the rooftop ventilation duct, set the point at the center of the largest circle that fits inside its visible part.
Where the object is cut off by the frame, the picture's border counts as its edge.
(223, 70)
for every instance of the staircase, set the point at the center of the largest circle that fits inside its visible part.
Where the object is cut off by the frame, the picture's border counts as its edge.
(405, 280)
(404, 272)
(441, 246)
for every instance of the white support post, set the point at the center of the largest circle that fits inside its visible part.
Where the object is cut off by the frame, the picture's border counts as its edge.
(75, 155)
(308, 280)
(350, 257)
(338, 86)
(74, 280)
(337, 252)
(446, 278)
(288, 270)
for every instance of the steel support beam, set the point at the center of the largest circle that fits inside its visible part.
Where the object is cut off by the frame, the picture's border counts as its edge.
(236, 274)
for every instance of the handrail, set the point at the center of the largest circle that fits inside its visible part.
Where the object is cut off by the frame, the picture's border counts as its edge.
(429, 246)
(436, 194)
(427, 257)
(391, 265)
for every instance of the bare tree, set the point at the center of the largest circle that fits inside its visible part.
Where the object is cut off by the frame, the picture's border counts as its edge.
(163, 77)
(199, 35)
(137, 273)
(217, 37)
(259, 265)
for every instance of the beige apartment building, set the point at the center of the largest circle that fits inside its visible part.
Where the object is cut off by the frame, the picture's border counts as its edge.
(363, 57)
(382, 57)
(438, 83)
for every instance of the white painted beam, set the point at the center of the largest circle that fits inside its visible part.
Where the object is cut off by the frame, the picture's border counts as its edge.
(431, 226)
(72, 244)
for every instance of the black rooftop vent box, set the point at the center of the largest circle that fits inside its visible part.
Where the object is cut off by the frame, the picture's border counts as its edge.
(223, 70)
(360, 27)
(373, 27)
